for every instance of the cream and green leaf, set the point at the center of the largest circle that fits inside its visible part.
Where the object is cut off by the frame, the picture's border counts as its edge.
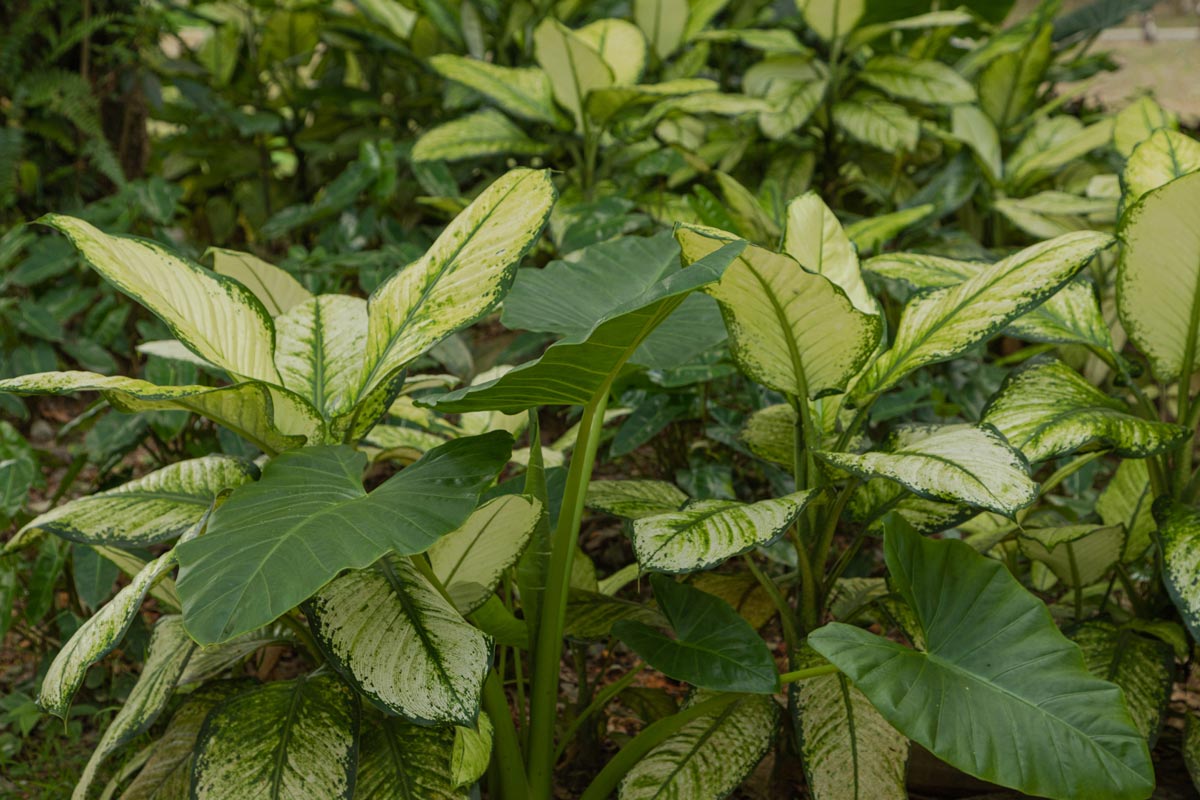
(1179, 540)
(1078, 555)
(635, 499)
(1142, 666)
(400, 760)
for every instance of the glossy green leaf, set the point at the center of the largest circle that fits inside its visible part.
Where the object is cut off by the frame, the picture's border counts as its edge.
(993, 657)
(286, 740)
(715, 648)
(268, 546)
(1143, 667)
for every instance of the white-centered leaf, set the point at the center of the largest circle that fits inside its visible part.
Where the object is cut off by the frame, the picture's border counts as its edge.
(286, 740)
(217, 318)
(522, 91)
(319, 349)
(663, 22)
(274, 287)
(955, 463)
(815, 238)
(634, 499)
(1179, 540)
(621, 45)
(1138, 121)
(402, 644)
(921, 80)
(1078, 555)
(707, 532)
(944, 323)
(400, 760)
(470, 561)
(1158, 277)
(482, 133)
(770, 433)
(1126, 500)
(1143, 667)
(150, 509)
(709, 757)
(1047, 410)
(790, 329)
(573, 66)
(1160, 159)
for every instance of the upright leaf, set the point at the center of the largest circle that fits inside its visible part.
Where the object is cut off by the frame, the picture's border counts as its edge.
(634, 499)
(1008, 85)
(1160, 159)
(275, 288)
(1138, 121)
(1078, 555)
(318, 350)
(1126, 500)
(574, 67)
(523, 92)
(815, 238)
(923, 81)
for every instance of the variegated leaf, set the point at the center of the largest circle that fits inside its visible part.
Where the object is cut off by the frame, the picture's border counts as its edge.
(400, 760)
(770, 433)
(591, 615)
(634, 499)
(278, 291)
(1179, 541)
(875, 497)
(1126, 500)
(1160, 159)
(815, 238)
(921, 80)
(209, 662)
(402, 644)
(469, 562)
(318, 350)
(791, 330)
(472, 751)
(287, 740)
(953, 463)
(850, 751)
(166, 657)
(620, 44)
(1138, 121)
(150, 509)
(1158, 278)
(1078, 555)
(942, 324)
(707, 532)
(217, 318)
(709, 757)
(523, 92)
(97, 637)
(1047, 410)
(1143, 667)
(574, 67)
(482, 133)
(878, 123)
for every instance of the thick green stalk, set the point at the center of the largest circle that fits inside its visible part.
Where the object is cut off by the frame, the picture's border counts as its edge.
(507, 756)
(547, 655)
(804, 674)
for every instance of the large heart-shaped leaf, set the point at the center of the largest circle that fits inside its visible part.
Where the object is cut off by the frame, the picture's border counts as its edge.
(402, 644)
(1143, 667)
(1047, 410)
(707, 532)
(150, 509)
(955, 463)
(218, 319)
(399, 760)
(944, 323)
(287, 740)
(789, 329)
(1014, 703)
(715, 647)
(274, 543)
(1158, 278)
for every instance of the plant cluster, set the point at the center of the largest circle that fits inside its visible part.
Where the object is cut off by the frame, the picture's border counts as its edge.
(869, 355)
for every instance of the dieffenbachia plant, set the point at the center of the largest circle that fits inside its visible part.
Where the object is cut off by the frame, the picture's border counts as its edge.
(385, 579)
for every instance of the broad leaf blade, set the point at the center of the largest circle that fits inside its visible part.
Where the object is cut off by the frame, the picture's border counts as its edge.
(483, 133)
(816, 239)
(634, 499)
(274, 287)
(523, 92)
(1179, 540)
(924, 81)
(318, 350)
(1157, 161)
(399, 760)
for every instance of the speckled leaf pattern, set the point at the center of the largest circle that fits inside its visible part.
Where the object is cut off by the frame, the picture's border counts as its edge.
(217, 318)
(399, 760)
(275, 288)
(482, 133)
(460, 277)
(270, 419)
(1126, 500)
(318, 350)
(1160, 159)
(944, 323)
(876, 496)
(997, 673)
(705, 533)
(770, 433)
(789, 329)
(269, 546)
(850, 752)
(1158, 277)
(470, 561)
(954, 463)
(1142, 666)
(167, 775)
(166, 657)
(1179, 540)
(815, 238)
(287, 740)
(393, 636)
(1071, 315)
(472, 751)
(1078, 555)
(97, 637)
(522, 92)
(150, 509)
(1047, 410)
(709, 757)
(591, 614)
(634, 499)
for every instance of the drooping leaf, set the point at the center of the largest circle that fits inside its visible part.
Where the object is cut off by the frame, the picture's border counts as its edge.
(715, 647)
(290, 740)
(524, 92)
(275, 288)
(1078, 555)
(815, 238)
(1143, 667)
(150, 509)
(634, 499)
(954, 463)
(1047, 410)
(780, 318)
(707, 532)
(472, 752)
(709, 757)
(994, 657)
(942, 324)
(872, 233)
(399, 642)
(269, 546)
(1179, 541)
(483, 133)
(591, 614)
(921, 80)
(1158, 277)
(471, 560)
(400, 760)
